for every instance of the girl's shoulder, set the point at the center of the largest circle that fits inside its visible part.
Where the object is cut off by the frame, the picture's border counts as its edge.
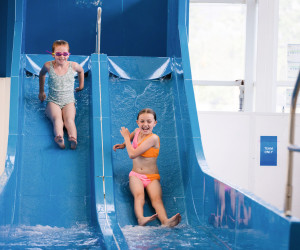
(155, 137)
(155, 141)
(46, 67)
(74, 65)
(48, 64)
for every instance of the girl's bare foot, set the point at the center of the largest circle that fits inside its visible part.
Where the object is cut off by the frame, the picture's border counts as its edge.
(173, 221)
(60, 141)
(145, 220)
(73, 142)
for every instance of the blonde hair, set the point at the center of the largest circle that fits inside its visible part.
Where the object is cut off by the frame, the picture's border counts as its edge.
(58, 43)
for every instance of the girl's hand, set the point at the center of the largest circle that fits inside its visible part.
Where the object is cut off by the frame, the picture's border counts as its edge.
(42, 96)
(125, 132)
(78, 89)
(119, 146)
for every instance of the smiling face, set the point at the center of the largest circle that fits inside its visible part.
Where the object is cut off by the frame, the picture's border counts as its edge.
(146, 123)
(61, 59)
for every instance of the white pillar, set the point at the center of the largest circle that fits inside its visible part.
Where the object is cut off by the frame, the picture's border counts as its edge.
(266, 63)
(250, 54)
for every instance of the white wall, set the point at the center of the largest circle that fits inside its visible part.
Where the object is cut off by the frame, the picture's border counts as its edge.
(4, 119)
(231, 143)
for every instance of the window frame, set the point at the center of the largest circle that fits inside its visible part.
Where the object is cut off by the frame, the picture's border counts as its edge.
(250, 48)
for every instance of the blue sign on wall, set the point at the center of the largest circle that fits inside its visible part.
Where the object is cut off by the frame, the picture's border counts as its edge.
(268, 151)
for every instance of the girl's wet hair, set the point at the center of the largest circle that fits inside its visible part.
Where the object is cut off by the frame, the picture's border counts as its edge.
(58, 43)
(147, 111)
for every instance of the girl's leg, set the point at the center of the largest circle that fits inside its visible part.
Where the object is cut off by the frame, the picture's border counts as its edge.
(222, 201)
(155, 194)
(68, 113)
(54, 113)
(137, 190)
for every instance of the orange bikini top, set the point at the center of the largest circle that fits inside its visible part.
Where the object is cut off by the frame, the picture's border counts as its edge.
(151, 152)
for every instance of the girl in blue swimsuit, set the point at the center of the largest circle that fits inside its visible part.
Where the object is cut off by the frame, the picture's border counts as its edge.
(60, 101)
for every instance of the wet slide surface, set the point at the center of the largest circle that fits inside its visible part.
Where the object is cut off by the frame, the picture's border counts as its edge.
(48, 198)
(214, 215)
(127, 98)
(48, 201)
(53, 204)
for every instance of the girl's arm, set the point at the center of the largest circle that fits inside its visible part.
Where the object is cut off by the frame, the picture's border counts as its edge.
(80, 72)
(133, 153)
(123, 145)
(42, 77)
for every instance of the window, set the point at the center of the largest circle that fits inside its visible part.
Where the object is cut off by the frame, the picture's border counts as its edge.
(217, 41)
(217, 36)
(288, 39)
(288, 61)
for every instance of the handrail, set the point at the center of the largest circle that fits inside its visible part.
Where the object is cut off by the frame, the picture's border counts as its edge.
(239, 83)
(99, 12)
(292, 148)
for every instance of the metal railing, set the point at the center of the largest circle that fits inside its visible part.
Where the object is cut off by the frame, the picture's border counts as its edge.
(292, 148)
(98, 29)
(238, 83)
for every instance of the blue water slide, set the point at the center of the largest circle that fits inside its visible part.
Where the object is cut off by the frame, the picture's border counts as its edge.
(80, 199)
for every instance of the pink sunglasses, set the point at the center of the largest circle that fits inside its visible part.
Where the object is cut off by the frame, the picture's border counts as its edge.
(59, 53)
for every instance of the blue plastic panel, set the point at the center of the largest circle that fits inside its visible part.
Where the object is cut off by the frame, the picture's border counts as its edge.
(7, 28)
(134, 28)
(129, 28)
(73, 21)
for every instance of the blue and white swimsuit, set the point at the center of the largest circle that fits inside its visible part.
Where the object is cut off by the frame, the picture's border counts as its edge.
(61, 88)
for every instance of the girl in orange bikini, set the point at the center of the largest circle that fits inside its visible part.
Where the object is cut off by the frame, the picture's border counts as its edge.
(144, 151)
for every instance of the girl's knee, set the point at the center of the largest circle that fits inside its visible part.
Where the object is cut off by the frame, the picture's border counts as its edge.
(156, 199)
(139, 196)
(69, 123)
(58, 121)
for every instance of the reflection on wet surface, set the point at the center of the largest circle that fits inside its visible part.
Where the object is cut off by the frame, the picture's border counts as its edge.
(227, 201)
